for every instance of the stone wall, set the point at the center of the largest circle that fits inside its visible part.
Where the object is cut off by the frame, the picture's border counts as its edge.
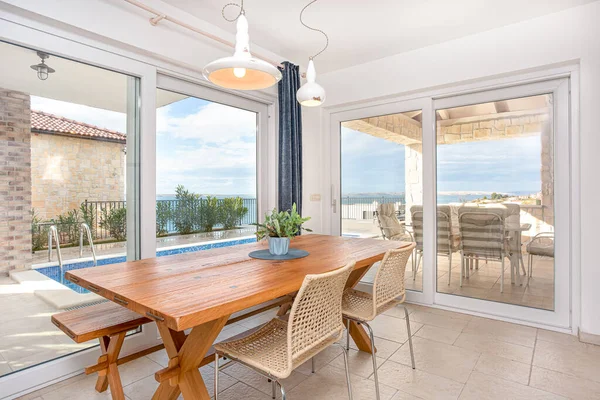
(15, 181)
(66, 171)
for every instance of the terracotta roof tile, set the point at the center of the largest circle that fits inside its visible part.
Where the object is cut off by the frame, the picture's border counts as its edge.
(49, 123)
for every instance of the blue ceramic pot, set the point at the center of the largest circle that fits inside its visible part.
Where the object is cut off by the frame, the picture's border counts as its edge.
(279, 246)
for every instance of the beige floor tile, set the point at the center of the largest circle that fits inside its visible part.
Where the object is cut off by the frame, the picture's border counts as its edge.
(259, 319)
(330, 383)
(565, 385)
(438, 320)
(404, 396)
(559, 338)
(160, 357)
(487, 344)
(438, 334)
(79, 390)
(481, 386)
(417, 382)
(321, 359)
(581, 362)
(503, 368)
(257, 381)
(385, 348)
(39, 393)
(242, 391)
(439, 358)
(361, 363)
(397, 312)
(231, 330)
(505, 331)
(393, 329)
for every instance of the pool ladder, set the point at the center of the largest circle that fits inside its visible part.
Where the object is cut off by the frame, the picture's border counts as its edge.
(53, 234)
(86, 228)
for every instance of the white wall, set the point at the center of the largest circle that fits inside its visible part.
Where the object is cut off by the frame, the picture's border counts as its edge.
(571, 35)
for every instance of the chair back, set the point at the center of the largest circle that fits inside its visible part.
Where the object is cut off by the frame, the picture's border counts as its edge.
(513, 218)
(482, 231)
(316, 314)
(444, 228)
(389, 281)
(388, 221)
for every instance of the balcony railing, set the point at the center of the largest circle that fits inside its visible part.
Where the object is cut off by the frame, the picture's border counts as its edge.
(365, 207)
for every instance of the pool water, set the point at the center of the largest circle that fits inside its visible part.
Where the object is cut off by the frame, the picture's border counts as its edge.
(53, 272)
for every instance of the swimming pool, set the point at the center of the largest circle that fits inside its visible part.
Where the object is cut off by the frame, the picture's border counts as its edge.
(53, 272)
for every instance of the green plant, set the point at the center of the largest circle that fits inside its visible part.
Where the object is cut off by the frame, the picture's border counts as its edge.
(115, 222)
(209, 213)
(163, 215)
(185, 215)
(39, 233)
(68, 227)
(281, 224)
(232, 211)
(88, 215)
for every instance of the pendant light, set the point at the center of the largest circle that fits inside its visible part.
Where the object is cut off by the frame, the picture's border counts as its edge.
(42, 69)
(241, 71)
(311, 94)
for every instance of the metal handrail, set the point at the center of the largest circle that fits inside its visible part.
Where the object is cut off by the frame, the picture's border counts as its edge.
(85, 227)
(53, 234)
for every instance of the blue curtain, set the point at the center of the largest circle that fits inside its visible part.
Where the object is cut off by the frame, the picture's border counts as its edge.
(290, 139)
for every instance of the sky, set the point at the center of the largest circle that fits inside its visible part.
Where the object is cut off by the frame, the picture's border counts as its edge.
(375, 165)
(210, 148)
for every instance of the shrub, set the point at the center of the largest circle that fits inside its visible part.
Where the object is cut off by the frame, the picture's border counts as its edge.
(231, 212)
(88, 215)
(163, 215)
(186, 211)
(67, 225)
(210, 213)
(39, 234)
(115, 222)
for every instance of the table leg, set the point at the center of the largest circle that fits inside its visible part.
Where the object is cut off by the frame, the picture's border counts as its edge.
(186, 354)
(358, 333)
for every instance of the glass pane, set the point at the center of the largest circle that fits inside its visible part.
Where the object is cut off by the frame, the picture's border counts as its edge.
(495, 181)
(64, 139)
(205, 174)
(382, 183)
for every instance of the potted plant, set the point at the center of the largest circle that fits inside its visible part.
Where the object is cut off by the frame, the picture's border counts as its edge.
(279, 228)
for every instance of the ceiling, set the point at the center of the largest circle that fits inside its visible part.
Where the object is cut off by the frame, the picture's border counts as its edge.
(361, 30)
(73, 82)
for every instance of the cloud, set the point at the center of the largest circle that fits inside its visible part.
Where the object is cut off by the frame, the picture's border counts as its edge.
(106, 119)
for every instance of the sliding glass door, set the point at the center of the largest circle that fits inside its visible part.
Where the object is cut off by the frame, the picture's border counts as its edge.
(472, 180)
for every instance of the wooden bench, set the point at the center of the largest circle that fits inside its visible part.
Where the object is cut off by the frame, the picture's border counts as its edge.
(109, 323)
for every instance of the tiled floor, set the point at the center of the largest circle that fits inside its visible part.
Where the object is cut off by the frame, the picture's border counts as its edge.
(457, 357)
(484, 283)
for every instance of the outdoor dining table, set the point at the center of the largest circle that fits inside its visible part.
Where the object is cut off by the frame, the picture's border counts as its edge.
(200, 290)
(514, 232)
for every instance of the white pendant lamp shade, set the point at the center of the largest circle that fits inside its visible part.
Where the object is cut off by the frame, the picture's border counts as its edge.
(311, 94)
(242, 71)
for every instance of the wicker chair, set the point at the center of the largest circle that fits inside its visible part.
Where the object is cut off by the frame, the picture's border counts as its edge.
(482, 235)
(447, 241)
(391, 228)
(279, 346)
(541, 245)
(363, 307)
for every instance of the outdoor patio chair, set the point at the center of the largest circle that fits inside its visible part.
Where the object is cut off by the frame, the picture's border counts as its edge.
(391, 227)
(280, 346)
(447, 241)
(482, 236)
(388, 286)
(541, 245)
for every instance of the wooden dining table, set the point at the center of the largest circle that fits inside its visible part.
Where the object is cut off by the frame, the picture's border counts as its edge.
(200, 291)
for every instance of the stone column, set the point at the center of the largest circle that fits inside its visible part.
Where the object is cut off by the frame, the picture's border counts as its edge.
(15, 180)
(547, 172)
(413, 163)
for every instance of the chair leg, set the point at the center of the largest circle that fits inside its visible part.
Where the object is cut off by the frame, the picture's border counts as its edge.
(312, 365)
(374, 360)
(412, 354)
(347, 335)
(347, 372)
(449, 267)
(273, 388)
(502, 276)
(283, 397)
(531, 268)
(462, 266)
(216, 376)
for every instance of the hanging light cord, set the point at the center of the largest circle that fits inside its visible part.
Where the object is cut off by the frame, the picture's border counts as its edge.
(240, 6)
(314, 29)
